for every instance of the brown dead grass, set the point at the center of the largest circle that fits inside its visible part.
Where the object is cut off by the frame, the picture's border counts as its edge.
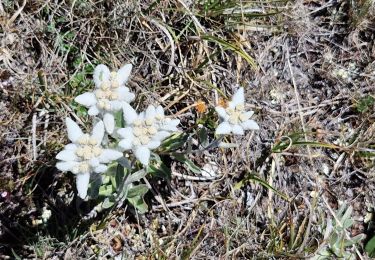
(315, 64)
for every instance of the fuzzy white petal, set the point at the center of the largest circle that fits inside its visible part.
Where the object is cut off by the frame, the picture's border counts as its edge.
(127, 135)
(222, 113)
(109, 155)
(87, 99)
(124, 73)
(125, 95)
(223, 128)
(74, 132)
(161, 135)
(109, 122)
(171, 125)
(125, 132)
(66, 166)
(238, 98)
(125, 144)
(168, 127)
(71, 147)
(142, 116)
(66, 155)
(248, 114)
(116, 105)
(82, 182)
(237, 130)
(142, 154)
(160, 111)
(150, 112)
(101, 73)
(129, 113)
(153, 144)
(231, 105)
(250, 125)
(101, 168)
(94, 162)
(98, 132)
(93, 111)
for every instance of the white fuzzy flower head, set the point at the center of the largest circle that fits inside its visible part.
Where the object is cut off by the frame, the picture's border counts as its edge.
(145, 131)
(85, 154)
(164, 123)
(234, 118)
(109, 94)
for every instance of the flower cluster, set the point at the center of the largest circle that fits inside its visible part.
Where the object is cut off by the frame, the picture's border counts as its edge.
(110, 94)
(234, 117)
(85, 154)
(143, 132)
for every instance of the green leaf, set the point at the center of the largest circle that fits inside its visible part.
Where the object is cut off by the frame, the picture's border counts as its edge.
(365, 154)
(365, 104)
(95, 186)
(106, 179)
(294, 140)
(112, 169)
(203, 137)
(324, 254)
(174, 142)
(107, 203)
(119, 119)
(232, 47)
(124, 162)
(137, 191)
(370, 247)
(139, 204)
(106, 190)
(137, 176)
(347, 223)
(17, 257)
(354, 240)
(160, 170)
(253, 177)
(191, 166)
(119, 178)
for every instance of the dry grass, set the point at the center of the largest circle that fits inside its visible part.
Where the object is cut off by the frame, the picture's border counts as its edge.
(308, 72)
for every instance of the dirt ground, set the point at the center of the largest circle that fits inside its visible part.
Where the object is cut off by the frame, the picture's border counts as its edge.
(308, 69)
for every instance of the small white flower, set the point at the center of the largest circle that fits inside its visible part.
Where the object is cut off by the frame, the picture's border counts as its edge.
(85, 154)
(165, 123)
(144, 131)
(46, 214)
(109, 94)
(234, 117)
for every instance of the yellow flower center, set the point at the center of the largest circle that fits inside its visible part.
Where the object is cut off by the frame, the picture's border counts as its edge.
(237, 114)
(114, 84)
(84, 167)
(107, 92)
(159, 117)
(113, 75)
(152, 130)
(137, 122)
(144, 131)
(86, 150)
(137, 131)
(136, 142)
(144, 139)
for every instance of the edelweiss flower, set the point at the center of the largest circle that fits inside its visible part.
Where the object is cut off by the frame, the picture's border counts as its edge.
(145, 131)
(163, 123)
(85, 154)
(235, 118)
(109, 95)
